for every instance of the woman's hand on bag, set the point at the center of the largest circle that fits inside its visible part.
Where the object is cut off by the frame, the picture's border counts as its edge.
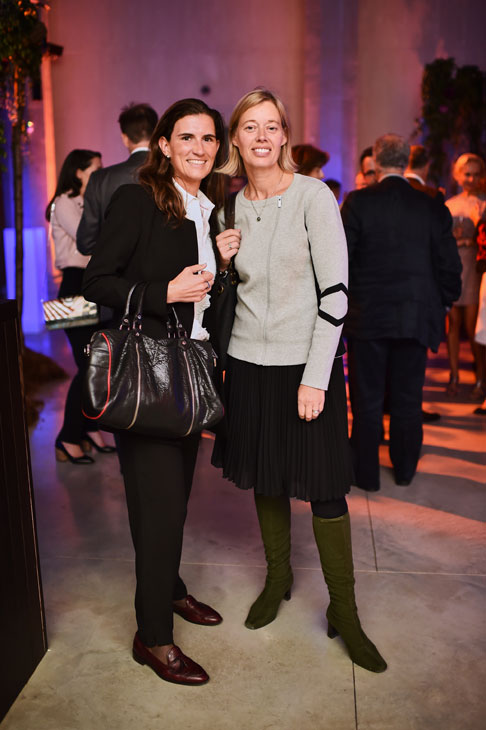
(191, 285)
(310, 402)
(228, 243)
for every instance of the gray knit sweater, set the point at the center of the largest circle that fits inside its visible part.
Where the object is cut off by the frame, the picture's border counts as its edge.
(278, 320)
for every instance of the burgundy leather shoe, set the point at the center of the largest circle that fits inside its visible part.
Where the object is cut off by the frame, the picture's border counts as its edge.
(180, 669)
(198, 613)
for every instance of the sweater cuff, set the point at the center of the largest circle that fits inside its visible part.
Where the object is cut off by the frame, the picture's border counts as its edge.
(320, 360)
(315, 379)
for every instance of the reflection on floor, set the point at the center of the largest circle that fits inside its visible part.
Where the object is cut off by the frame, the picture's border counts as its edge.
(421, 585)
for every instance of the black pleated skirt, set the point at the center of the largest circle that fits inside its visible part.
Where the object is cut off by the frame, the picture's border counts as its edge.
(270, 449)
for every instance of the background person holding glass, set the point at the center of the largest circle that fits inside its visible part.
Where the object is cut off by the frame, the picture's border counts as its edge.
(467, 209)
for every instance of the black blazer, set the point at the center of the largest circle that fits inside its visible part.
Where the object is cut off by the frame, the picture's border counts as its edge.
(136, 243)
(404, 268)
(101, 186)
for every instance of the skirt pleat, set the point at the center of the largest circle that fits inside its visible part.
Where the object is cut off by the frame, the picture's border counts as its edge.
(270, 449)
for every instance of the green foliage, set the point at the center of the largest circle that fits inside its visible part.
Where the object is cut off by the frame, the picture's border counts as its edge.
(22, 40)
(453, 112)
(2, 141)
(3, 152)
(22, 43)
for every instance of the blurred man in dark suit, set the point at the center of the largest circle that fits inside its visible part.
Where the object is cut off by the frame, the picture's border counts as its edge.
(417, 173)
(367, 167)
(404, 270)
(418, 170)
(137, 122)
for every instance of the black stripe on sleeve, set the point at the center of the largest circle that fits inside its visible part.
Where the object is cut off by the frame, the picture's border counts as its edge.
(333, 289)
(329, 318)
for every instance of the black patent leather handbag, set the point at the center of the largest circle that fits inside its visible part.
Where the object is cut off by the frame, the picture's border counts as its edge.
(153, 387)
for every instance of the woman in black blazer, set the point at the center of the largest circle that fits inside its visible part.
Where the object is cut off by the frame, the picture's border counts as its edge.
(158, 232)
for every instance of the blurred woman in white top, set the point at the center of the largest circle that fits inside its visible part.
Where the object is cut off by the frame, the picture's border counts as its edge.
(467, 209)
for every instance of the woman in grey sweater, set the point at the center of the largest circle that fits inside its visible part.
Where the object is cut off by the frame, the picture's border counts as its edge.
(285, 390)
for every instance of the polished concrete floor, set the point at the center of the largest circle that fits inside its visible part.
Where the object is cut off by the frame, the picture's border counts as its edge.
(421, 588)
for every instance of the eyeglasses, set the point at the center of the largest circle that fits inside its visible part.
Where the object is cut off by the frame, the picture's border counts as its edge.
(370, 173)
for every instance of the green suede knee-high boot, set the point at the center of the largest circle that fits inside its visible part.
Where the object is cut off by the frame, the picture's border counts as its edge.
(333, 538)
(274, 517)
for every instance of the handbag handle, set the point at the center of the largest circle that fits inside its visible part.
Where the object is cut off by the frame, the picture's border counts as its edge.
(181, 332)
(137, 318)
(178, 331)
(125, 323)
(229, 222)
(136, 322)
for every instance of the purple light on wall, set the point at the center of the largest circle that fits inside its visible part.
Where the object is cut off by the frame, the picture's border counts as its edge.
(35, 275)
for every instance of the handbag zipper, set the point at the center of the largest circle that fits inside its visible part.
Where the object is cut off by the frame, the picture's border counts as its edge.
(192, 391)
(139, 387)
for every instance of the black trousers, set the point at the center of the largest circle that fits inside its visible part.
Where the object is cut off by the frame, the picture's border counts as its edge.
(158, 478)
(75, 425)
(371, 365)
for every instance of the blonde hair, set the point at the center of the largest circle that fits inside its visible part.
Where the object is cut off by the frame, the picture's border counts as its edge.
(463, 160)
(234, 166)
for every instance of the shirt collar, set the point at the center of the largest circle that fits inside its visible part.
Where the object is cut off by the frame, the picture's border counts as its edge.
(415, 177)
(139, 149)
(202, 199)
(391, 174)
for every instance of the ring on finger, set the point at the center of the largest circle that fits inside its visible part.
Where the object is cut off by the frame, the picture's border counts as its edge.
(230, 246)
(315, 413)
(208, 285)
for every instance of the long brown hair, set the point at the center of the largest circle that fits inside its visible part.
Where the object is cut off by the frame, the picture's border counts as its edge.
(156, 175)
(68, 181)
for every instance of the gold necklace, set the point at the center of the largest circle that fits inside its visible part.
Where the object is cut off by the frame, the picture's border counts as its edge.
(259, 215)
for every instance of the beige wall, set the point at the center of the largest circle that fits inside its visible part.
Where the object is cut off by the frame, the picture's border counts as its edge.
(117, 51)
(330, 91)
(395, 41)
(348, 70)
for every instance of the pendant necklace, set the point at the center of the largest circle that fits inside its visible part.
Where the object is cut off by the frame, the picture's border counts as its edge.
(259, 215)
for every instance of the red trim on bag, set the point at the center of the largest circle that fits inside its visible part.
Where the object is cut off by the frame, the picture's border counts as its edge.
(93, 418)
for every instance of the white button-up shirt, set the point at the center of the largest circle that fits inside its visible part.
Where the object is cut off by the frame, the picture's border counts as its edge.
(198, 209)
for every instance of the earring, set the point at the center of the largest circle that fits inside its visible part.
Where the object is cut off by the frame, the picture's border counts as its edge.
(168, 157)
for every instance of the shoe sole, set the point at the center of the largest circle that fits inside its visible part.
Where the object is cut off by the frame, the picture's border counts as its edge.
(196, 623)
(142, 662)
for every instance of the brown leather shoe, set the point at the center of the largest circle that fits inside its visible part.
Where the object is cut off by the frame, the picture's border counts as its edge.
(180, 669)
(198, 613)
